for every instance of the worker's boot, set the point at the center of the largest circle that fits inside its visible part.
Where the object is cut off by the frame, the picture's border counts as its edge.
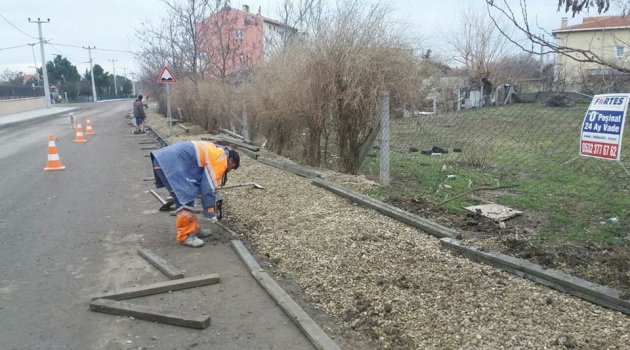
(187, 227)
(203, 233)
(193, 241)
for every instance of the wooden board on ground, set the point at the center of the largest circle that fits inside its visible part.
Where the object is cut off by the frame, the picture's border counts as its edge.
(310, 328)
(595, 293)
(296, 169)
(169, 270)
(150, 314)
(235, 135)
(252, 154)
(493, 211)
(230, 141)
(162, 287)
(231, 133)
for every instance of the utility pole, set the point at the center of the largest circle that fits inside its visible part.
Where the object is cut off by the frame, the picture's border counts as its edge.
(41, 47)
(92, 72)
(35, 62)
(133, 83)
(124, 81)
(115, 86)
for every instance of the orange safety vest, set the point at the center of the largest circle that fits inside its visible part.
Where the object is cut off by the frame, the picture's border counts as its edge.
(213, 158)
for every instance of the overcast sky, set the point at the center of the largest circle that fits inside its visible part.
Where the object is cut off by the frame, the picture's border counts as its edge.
(111, 26)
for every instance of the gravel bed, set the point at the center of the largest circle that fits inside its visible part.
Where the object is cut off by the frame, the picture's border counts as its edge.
(395, 284)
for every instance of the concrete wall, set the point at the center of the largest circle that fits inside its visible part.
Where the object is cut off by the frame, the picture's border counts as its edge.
(21, 105)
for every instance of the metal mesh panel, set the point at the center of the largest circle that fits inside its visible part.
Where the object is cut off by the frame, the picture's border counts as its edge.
(12, 92)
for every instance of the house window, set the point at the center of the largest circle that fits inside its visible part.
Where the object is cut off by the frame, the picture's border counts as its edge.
(620, 50)
(238, 34)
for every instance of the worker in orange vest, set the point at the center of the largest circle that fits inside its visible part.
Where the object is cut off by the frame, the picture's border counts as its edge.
(188, 170)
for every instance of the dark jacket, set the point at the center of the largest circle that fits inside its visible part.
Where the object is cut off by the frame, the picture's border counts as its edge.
(138, 109)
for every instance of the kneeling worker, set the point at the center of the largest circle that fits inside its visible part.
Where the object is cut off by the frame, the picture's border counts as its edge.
(190, 169)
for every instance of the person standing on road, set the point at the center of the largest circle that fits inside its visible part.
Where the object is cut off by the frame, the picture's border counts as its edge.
(138, 114)
(190, 169)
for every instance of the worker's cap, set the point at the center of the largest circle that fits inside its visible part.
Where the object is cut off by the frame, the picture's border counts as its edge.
(235, 157)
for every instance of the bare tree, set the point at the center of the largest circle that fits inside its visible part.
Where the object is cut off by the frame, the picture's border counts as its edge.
(539, 41)
(478, 44)
(185, 35)
(516, 67)
(175, 40)
(304, 16)
(325, 90)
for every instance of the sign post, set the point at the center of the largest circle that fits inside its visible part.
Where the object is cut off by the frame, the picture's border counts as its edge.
(602, 129)
(167, 78)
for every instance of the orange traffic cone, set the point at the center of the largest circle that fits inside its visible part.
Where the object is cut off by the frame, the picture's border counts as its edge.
(88, 127)
(54, 162)
(79, 137)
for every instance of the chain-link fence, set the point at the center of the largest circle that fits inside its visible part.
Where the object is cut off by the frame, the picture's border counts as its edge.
(524, 156)
(8, 92)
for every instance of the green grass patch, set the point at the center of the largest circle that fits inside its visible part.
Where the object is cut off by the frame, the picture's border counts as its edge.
(532, 147)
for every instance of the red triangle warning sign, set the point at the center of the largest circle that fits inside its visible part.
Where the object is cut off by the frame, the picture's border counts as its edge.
(166, 76)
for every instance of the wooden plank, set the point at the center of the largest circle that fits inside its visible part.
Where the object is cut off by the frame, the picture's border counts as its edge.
(252, 154)
(309, 327)
(156, 195)
(237, 136)
(296, 169)
(595, 293)
(231, 133)
(183, 127)
(230, 141)
(162, 287)
(169, 270)
(151, 314)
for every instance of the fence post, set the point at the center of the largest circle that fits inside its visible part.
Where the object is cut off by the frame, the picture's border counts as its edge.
(245, 122)
(383, 152)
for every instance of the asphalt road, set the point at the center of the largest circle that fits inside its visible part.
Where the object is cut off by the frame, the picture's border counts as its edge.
(67, 235)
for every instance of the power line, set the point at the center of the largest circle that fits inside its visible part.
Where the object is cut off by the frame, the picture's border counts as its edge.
(125, 51)
(20, 30)
(61, 53)
(96, 49)
(12, 47)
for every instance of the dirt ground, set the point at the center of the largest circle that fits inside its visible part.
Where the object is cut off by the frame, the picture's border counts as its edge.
(384, 285)
(602, 264)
